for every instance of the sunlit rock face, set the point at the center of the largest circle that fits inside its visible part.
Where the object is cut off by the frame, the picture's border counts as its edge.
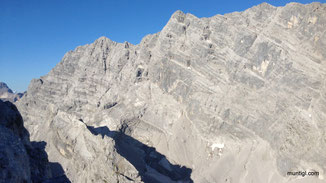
(239, 97)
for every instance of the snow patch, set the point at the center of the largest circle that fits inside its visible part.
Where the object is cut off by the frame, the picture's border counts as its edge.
(217, 145)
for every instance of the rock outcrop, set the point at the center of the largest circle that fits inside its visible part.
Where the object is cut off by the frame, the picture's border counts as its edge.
(20, 159)
(6, 94)
(239, 97)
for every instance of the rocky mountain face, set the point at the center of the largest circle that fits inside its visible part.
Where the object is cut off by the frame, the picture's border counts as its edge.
(6, 94)
(20, 159)
(239, 97)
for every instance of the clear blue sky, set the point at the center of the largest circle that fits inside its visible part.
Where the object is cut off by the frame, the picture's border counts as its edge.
(35, 34)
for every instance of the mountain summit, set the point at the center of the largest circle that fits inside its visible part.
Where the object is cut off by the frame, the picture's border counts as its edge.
(7, 94)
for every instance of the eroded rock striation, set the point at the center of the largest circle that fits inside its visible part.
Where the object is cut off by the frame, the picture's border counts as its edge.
(239, 97)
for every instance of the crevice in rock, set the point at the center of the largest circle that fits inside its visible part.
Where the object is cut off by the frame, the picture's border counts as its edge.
(110, 105)
(128, 178)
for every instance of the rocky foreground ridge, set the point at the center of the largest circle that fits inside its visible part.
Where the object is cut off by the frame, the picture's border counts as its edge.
(23, 161)
(239, 97)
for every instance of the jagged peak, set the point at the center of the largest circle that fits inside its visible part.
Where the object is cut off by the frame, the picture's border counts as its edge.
(178, 15)
(3, 85)
(265, 5)
(103, 39)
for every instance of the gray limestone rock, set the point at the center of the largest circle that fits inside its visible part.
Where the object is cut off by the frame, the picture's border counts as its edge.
(239, 97)
(20, 159)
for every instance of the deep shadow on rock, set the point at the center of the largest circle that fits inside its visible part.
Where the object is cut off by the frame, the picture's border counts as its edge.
(151, 165)
(40, 160)
(20, 159)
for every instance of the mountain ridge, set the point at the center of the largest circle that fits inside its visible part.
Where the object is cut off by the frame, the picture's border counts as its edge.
(230, 93)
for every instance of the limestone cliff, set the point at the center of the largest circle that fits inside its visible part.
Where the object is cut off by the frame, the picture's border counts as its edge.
(239, 97)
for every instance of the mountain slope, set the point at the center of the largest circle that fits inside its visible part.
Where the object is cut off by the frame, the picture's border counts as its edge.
(239, 97)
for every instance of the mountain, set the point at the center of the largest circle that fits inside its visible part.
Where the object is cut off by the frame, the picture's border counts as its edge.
(20, 159)
(239, 97)
(7, 94)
